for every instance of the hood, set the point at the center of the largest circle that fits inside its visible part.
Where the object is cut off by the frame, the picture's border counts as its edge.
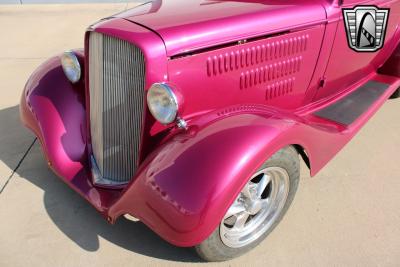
(187, 25)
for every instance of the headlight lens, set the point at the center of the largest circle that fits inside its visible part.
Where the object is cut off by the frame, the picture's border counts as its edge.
(71, 66)
(162, 103)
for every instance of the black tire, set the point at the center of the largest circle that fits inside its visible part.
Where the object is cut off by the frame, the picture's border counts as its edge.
(396, 94)
(213, 248)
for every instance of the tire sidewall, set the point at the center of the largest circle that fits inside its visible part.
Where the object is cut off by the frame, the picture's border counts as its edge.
(213, 249)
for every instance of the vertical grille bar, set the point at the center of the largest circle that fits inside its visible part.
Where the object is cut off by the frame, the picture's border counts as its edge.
(116, 81)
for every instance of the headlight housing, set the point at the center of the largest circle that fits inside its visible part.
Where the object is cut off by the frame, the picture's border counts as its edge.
(71, 66)
(162, 103)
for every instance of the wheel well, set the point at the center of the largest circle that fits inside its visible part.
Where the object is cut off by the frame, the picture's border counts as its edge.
(304, 155)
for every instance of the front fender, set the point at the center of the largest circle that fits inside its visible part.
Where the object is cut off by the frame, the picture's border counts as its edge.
(55, 110)
(185, 187)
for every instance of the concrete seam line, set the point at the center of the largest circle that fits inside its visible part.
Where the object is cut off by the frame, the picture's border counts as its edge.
(18, 165)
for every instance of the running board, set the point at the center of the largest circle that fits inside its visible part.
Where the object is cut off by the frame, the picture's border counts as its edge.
(348, 109)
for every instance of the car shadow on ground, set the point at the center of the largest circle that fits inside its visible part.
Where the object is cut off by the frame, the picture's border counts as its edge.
(75, 217)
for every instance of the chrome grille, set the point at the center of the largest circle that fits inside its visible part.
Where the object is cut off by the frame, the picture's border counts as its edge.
(116, 88)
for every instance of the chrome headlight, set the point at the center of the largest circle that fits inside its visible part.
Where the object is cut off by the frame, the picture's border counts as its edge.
(162, 103)
(71, 66)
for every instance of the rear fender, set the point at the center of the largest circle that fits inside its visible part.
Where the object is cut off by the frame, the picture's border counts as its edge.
(185, 186)
(392, 65)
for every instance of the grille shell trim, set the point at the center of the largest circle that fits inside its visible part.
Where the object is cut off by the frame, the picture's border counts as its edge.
(116, 89)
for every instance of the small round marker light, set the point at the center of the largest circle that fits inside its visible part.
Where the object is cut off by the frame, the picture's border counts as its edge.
(71, 66)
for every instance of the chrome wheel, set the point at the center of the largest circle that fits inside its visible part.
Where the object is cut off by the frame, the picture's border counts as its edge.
(257, 207)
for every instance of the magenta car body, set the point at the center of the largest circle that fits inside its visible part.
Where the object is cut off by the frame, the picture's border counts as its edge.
(252, 76)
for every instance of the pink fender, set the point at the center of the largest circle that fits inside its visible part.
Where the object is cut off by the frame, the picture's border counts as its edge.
(184, 187)
(54, 110)
(187, 184)
(46, 104)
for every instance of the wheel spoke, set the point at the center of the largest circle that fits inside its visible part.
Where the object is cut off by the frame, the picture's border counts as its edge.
(265, 203)
(246, 190)
(241, 220)
(236, 208)
(265, 180)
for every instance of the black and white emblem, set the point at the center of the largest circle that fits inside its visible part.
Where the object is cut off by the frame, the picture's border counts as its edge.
(365, 27)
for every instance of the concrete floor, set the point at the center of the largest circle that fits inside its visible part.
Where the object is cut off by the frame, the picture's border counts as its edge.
(349, 215)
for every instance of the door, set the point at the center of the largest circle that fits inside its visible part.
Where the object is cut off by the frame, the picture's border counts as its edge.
(346, 66)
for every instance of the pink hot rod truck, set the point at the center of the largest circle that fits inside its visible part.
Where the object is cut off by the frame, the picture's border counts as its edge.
(193, 116)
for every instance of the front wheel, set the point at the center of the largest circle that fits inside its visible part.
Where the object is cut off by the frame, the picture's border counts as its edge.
(258, 208)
